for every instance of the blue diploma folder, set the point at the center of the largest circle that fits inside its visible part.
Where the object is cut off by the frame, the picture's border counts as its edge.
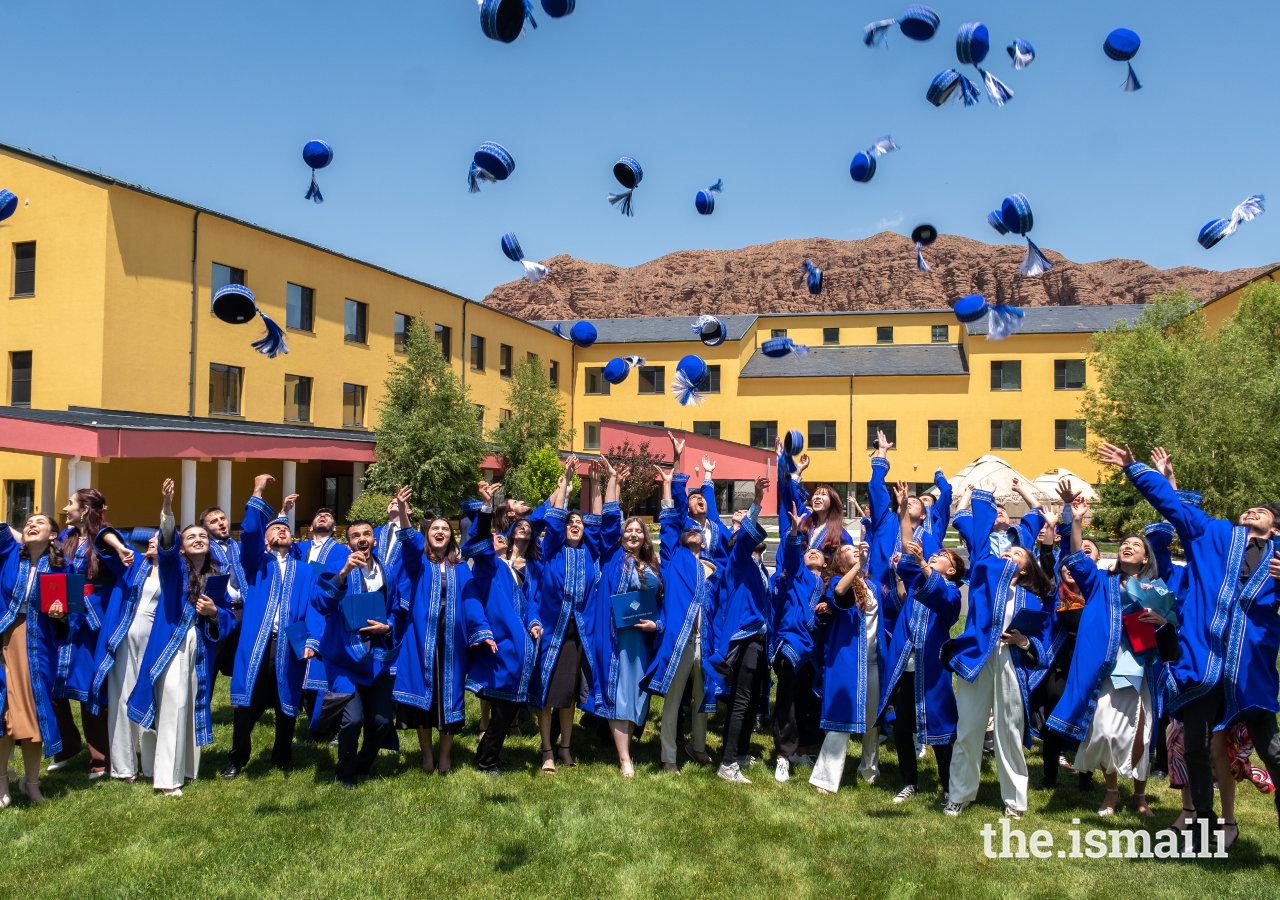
(296, 634)
(358, 609)
(1028, 621)
(215, 588)
(318, 567)
(631, 607)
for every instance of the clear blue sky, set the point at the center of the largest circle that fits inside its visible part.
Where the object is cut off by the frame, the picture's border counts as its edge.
(211, 103)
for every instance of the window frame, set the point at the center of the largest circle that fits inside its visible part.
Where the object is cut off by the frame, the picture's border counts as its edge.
(362, 392)
(306, 303)
(933, 334)
(553, 373)
(770, 428)
(13, 377)
(30, 272)
(935, 433)
(1061, 432)
(828, 435)
(399, 344)
(711, 428)
(444, 340)
(880, 334)
(1060, 374)
(1001, 445)
(777, 333)
(299, 381)
(362, 322)
(998, 381)
(710, 383)
(239, 378)
(477, 353)
(829, 339)
(29, 494)
(597, 373)
(655, 375)
(231, 279)
(590, 435)
(890, 433)
(506, 357)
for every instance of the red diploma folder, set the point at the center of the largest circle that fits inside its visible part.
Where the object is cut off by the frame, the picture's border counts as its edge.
(1142, 635)
(69, 590)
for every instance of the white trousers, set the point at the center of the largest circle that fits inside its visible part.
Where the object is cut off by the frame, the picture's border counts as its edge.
(690, 664)
(171, 753)
(123, 735)
(829, 768)
(994, 694)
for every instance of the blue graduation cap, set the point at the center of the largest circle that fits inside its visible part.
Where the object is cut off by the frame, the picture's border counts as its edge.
(709, 330)
(316, 154)
(503, 20)
(863, 167)
(558, 9)
(533, 272)
(491, 163)
(583, 334)
(973, 43)
(234, 304)
(793, 443)
(1223, 228)
(629, 175)
(919, 23)
(142, 535)
(691, 371)
(946, 83)
(705, 201)
(1005, 319)
(812, 276)
(1021, 52)
(1015, 216)
(8, 204)
(776, 348)
(923, 236)
(620, 367)
(1122, 45)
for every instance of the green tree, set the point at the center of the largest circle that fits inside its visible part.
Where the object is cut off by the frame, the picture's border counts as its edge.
(1212, 399)
(372, 507)
(429, 435)
(535, 481)
(530, 439)
(641, 479)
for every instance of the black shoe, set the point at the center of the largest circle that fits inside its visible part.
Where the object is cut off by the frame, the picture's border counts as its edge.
(494, 772)
(761, 723)
(231, 771)
(1047, 785)
(349, 785)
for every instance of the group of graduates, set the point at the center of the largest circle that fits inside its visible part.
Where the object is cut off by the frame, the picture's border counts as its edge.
(856, 637)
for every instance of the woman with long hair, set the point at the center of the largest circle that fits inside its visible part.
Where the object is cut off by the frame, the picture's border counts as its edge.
(824, 526)
(993, 659)
(30, 651)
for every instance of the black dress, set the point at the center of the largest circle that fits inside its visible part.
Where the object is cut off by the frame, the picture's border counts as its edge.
(565, 690)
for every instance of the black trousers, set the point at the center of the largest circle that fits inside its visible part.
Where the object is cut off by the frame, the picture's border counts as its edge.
(371, 709)
(1198, 719)
(797, 711)
(266, 695)
(501, 714)
(745, 688)
(95, 734)
(904, 728)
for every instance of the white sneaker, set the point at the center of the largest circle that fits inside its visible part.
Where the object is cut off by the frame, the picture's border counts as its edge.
(1013, 813)
(54, 765)
(733, 773)
(952, 808)
(806, 761)
(905, 794)
(921, 750)
(782, 772)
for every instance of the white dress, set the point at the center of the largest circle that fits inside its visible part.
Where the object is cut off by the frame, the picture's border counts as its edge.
(1109, 744)
(171, 753)
(123, 735)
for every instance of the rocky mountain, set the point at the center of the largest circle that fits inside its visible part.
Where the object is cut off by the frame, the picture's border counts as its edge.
(876, 273)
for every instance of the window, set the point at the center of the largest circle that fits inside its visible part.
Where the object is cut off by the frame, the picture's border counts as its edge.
(707, 429)
(590, 435)
(402, 331)
(944, 434)
(221, 276)
(1068, 374)
(480, 415)
(1068, 434)
(24, 269)
(354, 322)
(19, 501)
(224, 389)
(299, 303)
(778, 332)
(353, 405)
(654, 423)
(595, 383)
(1006, 375)
(504, 360)
(939, 334)
(822, 435)
(553, 374)
(652, 379)
(504, 415)
(477, 353)
(884, 334)
(444, 340)
(711, 383)
(888, 426)
(337, 495)
(1006, 434)
(20, 378)
(297, 398)
(831, 335)
(763, 434)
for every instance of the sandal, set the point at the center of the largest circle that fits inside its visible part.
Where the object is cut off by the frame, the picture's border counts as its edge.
(1184, 820)
(1140, 806)
(548, 759)
(1227, 842)
(1106, 810)
(566, 758)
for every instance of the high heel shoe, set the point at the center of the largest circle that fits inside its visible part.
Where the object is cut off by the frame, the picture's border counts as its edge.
(548, 759)
(566, 758)
(38, 798)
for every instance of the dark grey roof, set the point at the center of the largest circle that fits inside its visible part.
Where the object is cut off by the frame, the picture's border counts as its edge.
(1068, 319)
(88, 417)
(874, 359)
(655, 330)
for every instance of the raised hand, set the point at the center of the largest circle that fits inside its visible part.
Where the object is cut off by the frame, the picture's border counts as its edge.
(608, 466)
(762, 483)
(166, 496)
(487, 490)
(802, 463)
(1114, 456)
(915, 550)
(667, 474)
(1065, 494)
(900, 494)
(260, 483)
(884, 444)
(289, 503)
(1161, 462)
(708, 464)
(795, 518)
(677, 446)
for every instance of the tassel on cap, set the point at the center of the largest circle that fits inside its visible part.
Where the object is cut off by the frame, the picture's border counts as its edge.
(923, 236)
(691, 372)
(1021, 52)
(491, 163)
(1122, 45)
(1002, 321)
(812, 276)
(710, 330)
(533, 272)
(317, 155)
(1224, 228)
(705, 201)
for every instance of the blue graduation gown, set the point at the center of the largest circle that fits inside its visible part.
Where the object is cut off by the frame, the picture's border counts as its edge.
(346, 659)
(745, 606)
(76, 652)
(331, 560)
(118, 612)
(844, 667)
(1229, 631)
(420, 584)
(42, 647)
(503, 675)
(561, 587)
(269, 598)
(939, 518)
(924, 625)
(795, 592)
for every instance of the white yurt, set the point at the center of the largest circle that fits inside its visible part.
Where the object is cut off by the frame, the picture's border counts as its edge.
(1048, 483)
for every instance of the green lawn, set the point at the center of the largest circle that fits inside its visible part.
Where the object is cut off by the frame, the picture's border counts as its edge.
(585, 832)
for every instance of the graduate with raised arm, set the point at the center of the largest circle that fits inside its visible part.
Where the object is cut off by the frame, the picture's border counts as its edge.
(684, 611)
(268, 674)
(322, 547)
(1107, 705)
(1229, 632)
(703, 511)
(501, 677)
(993, 659)
(938, 518)
(226, 554)
(915, 681)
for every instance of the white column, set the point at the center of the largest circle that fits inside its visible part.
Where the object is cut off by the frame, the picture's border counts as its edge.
(224, 486)
(357, 481)
(48, 482)
(187, 510)
(73, 475)
(290, 486)
(86, 475)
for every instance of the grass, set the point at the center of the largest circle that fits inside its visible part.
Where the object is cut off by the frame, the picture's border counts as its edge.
(585, 832)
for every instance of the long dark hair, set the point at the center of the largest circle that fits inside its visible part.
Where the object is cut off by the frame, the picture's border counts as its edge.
(1034, 580)
(56, 559)
(95, 519)
(834, 537)
(1150, 569)
(645, 555)
(534, 550)
(451, 553)
(196, 580)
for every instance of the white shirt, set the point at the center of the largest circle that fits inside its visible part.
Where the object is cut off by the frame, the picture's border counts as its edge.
(872, 617)
(233, 583)
(282, 559)
(1008, 608)
(317, 547)
(372, 575)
